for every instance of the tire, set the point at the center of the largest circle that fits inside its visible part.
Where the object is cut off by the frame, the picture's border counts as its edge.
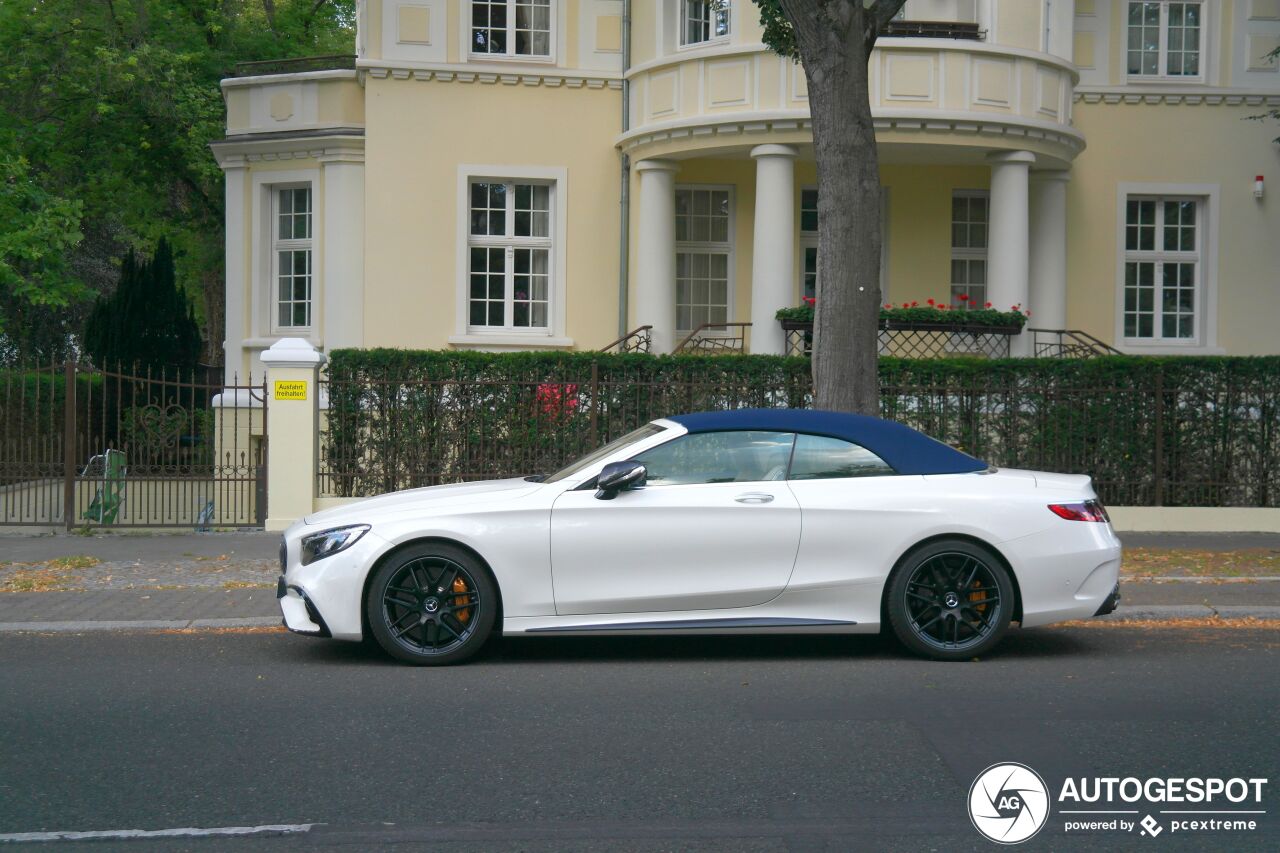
(431, 605)
(950, 600)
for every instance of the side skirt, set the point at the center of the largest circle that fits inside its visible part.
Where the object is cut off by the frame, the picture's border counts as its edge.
(751, 624)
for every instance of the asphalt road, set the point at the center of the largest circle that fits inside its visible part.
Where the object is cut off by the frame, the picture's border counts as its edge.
(735, 744)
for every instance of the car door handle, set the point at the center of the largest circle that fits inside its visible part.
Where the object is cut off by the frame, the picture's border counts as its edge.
(754, 498)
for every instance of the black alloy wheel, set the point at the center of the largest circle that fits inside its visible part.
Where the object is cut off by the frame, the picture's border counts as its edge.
(951, 600)
(431, 605)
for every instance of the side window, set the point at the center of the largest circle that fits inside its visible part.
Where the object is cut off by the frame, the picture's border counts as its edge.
(742, 456)
(820, 458)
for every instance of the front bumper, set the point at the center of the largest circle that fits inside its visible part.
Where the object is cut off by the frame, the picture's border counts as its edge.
(300, 614)
(325, 598)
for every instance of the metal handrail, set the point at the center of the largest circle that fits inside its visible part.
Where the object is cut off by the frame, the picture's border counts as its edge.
(715, 343)
(1069, 343)
(328, 62)
(642, 340)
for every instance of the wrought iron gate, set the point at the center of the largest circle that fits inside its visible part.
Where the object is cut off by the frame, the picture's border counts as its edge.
(82, 446)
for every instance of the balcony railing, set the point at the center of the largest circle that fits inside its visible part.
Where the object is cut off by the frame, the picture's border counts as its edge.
(933, 30)
(918, 340)
(332, 62)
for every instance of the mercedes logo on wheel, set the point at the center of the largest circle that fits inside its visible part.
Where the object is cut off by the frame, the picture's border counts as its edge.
(951, 599)
(431, 604)
(1008, 803)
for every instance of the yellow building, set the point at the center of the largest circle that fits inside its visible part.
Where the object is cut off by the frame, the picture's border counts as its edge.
(551, 173)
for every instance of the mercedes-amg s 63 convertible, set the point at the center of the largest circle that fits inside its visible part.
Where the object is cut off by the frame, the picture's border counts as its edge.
(746, 521)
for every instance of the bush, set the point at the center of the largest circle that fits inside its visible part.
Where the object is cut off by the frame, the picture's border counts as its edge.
(1188, 431)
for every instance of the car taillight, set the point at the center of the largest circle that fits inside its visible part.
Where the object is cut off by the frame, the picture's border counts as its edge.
(1083, 511)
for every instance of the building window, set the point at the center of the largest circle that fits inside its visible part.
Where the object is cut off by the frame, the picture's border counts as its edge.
(703, 20)
(1162, 261)
(969, 218)
(509, 249)
(1165, 39)
(704, 244)
(291, 256)
(809, 243)
(511, 27)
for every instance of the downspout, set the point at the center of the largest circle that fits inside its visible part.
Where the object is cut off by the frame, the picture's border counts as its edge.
(624, 235)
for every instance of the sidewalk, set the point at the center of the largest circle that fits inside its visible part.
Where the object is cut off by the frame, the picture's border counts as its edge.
(227, 580)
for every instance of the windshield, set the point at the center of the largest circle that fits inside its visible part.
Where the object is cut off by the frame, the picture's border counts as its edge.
(609, 449)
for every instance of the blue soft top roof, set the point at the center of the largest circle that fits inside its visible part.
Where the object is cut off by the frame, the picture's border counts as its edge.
(908, 451)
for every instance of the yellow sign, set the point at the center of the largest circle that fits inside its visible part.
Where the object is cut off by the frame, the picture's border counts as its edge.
(286, 390)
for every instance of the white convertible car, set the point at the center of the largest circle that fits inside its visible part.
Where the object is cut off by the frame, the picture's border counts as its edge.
(747, 521)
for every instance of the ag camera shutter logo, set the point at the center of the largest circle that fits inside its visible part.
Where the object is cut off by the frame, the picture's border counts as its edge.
(1008, 803)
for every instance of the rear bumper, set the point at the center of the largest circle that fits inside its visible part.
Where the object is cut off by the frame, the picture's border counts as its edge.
(1109, 603)
(1069, 571)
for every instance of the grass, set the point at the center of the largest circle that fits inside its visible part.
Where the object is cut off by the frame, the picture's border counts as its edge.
(1182, 562)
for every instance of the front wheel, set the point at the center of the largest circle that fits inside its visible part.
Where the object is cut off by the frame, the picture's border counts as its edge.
(951, 600)
(431, 605)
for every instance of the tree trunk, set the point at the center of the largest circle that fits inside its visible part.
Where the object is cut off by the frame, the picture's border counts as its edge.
(834, 38)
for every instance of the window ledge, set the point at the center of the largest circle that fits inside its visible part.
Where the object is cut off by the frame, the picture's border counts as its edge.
(482, 340)
(1134, 347)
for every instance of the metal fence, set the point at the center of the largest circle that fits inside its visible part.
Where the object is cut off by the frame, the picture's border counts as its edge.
(83, 446)
(1144, 438)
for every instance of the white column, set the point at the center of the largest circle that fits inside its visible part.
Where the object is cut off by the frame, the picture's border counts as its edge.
(773, 245)
(234, 311)
(655, 289)
(1008, 246)
(293, 426)
(1048, 296)
(343, 247)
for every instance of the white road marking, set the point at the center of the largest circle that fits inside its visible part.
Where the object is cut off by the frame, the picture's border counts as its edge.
(183, 832)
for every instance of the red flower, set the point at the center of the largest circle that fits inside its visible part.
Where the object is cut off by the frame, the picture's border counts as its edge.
(930, 301)
(888, 305)
(914, 303)
(964, 297)
(809, 300)
(988, 304)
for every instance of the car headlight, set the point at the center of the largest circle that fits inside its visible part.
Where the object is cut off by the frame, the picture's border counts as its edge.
(326, 543)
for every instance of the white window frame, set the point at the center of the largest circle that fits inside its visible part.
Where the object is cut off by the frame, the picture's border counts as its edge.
(553, 335)
(293, 244)
(510, 55)
(263, 329)
(1162, 62)
(809, 239)
(729, 248)
(1204, 341)
(682, 19)
(969, 253)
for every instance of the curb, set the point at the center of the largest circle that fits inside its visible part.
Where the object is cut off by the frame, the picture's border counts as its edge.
(142, 625)
(1170, 612)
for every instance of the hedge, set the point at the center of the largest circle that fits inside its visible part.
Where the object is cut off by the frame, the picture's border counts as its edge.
(1188, 431)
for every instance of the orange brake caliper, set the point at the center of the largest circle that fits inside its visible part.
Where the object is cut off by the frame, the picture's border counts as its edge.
(460, 587)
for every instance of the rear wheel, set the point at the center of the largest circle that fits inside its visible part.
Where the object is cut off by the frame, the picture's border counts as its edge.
(951, 600)
(431, 605)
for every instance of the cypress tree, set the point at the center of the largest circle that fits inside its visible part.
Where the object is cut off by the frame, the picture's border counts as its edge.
(147, 321)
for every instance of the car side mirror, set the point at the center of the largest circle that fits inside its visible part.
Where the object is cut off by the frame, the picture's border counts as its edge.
(618, 477)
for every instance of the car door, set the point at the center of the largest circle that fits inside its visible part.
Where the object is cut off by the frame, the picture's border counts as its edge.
(859, 517)
(715, 526)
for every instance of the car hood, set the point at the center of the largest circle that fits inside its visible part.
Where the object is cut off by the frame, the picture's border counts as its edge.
(413, 500)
